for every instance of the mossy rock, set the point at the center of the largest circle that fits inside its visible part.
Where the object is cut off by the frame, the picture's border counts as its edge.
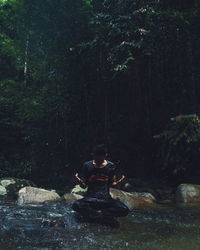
(79, 190)
(9, 187)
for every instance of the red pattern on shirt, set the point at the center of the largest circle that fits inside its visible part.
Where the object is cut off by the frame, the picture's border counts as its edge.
(103, 178)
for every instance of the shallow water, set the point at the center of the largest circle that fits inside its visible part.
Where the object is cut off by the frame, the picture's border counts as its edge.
(158, 227)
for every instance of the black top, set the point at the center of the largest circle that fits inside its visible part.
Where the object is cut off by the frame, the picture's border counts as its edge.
(98, 180)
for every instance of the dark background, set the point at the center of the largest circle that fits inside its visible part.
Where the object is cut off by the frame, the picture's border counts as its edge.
(74, 74)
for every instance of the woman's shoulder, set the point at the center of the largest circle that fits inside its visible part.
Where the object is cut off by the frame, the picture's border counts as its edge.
(88, 163)
(110, 163)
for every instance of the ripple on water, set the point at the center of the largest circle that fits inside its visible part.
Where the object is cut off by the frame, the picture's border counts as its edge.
(150, 228)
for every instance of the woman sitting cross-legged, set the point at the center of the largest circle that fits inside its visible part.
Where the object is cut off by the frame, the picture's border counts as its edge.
(99, 175)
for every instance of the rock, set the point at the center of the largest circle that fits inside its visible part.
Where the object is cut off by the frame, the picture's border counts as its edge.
(7, 182)
(127, 186)
(78, 190)
(71, 197)
(134, 199)
(28, 195)
(187, 193)
(161, 190)
(57, 222)
(2, 190)
(9, 187)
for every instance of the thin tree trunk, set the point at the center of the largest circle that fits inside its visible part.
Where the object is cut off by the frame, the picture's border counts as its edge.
(89, 121)
(107, 115)
(192, 76)
(26, 59)
(148, 95)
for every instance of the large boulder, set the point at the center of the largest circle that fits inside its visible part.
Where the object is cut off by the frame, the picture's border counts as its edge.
(187, 193)
(9, 187)
(29, 195)
(132, 200)
(160, 189)
(71, 197)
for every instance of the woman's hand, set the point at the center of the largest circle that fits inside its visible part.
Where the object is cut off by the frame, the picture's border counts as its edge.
(119, 181)
(79, 180)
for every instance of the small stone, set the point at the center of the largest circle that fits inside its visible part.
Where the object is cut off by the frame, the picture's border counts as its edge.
(78, 190)
(188, 193)
(53, 223)
(2, 190)
(7, 182)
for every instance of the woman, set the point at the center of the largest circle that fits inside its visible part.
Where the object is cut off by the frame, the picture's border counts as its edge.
(98, 175)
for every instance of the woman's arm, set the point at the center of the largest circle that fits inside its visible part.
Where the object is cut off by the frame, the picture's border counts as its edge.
(80, 181)
(116, 182)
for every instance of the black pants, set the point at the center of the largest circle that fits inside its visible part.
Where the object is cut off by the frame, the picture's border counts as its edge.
(112, 208)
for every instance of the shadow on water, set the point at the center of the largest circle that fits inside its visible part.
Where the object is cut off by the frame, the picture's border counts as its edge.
(158, 227)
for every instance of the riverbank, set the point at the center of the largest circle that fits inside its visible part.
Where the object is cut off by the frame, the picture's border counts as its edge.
(150, 190)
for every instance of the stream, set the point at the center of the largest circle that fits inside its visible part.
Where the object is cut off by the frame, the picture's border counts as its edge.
(157, 227)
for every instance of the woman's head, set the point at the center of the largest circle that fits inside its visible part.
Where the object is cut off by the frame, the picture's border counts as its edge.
(100, 152)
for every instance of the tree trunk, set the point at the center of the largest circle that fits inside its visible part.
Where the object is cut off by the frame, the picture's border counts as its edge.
(25, 60)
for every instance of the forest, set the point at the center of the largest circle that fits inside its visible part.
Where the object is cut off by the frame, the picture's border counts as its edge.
(77, 73)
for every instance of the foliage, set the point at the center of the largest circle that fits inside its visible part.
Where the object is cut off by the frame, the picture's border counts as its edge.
(77, 73)
(180, 142)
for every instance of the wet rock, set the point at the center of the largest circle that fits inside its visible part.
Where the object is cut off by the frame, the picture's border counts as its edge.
(28, 195)
(187, 193)
(134, 199)
(9, 187)
(71, 197)
(50, 222)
